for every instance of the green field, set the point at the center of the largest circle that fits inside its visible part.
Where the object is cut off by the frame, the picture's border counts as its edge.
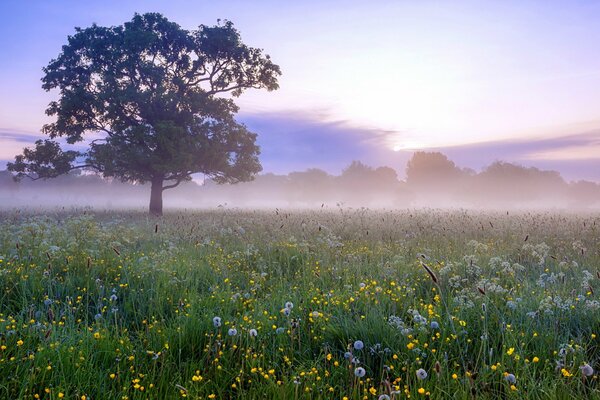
(124, 306)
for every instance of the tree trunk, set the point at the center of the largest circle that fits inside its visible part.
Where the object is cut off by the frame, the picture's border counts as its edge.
(156, 203)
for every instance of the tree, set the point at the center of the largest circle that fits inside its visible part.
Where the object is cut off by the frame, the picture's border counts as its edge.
(156, 95)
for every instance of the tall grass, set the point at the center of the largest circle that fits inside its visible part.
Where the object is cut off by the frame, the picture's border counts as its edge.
(489, 305)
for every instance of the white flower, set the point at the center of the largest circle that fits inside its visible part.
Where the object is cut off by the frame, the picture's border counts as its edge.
(232, 332)
(421, 374)
(315, 314)
(253, 332)
(587, 370)
(358, 345)
(383, 397)
(217, 322)
(360, 372)
(289, 305)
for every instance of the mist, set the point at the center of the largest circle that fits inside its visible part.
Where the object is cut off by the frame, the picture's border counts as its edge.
(432, 181)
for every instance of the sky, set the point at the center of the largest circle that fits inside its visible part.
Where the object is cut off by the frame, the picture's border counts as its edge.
(478, 80)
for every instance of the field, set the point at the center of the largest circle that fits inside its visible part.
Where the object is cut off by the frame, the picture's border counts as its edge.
(330, 303)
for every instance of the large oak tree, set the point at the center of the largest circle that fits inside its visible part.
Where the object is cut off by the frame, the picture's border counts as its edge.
(157, 99)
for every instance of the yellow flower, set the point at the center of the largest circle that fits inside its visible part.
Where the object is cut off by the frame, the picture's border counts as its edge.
(565, 373)
(510, 351)
(20, 342)
(454, 376)
(61, 395)
(421, 391)
(513, 387)
(536, 359)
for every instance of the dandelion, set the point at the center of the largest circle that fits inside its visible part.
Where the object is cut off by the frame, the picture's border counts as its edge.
(421, 374)
(358, 345)
(360, 372)
(217, 322)
(587, 370)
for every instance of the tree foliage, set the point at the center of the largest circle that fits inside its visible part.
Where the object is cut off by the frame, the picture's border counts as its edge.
(154, 95)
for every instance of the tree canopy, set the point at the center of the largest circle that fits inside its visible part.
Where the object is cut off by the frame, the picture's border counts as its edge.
(155, 98)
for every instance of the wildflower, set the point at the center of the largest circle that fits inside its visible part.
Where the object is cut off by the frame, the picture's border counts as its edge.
(434, 325)
(421, 391)
(587, 370)
(217, 322)
(536, 359)
(279, 330)
(289, 305)
(421, 374)
(253, 332)
(232, 332)
(360, 372)
(315, 314)
(358, 345)
(113, 297)
(510, 351)
(383, 397)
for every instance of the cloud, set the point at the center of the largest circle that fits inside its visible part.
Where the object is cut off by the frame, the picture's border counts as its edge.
(292, 141)
(296, 141)
(575, 156)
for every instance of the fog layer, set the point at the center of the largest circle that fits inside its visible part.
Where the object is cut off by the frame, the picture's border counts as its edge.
(432, 180)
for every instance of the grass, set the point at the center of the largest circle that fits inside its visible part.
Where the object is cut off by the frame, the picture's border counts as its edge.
(105, 306)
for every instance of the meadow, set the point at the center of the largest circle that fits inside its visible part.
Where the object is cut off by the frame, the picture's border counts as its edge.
(325, 304)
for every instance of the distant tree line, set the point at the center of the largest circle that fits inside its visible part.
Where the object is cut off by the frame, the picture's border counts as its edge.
(431, 180)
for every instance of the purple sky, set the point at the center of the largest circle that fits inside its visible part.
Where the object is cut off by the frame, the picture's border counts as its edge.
(480, 81)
